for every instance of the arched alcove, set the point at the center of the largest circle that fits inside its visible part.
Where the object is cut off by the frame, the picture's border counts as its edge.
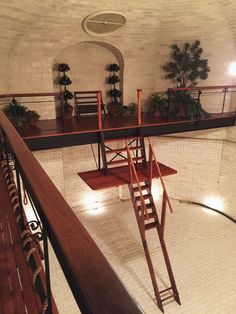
(88, 62)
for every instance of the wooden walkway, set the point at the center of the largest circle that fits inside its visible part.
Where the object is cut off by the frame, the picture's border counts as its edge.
(86, 124)
(84, 130)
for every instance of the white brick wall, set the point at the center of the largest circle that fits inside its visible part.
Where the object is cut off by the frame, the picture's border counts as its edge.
(88, 64)
(32, 40)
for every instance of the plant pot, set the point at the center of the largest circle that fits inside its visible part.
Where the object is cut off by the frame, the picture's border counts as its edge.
(68, 112)
(114, 109)
(32, 121)
(157, 114)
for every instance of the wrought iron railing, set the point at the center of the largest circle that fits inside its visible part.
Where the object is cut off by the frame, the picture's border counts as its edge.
(201, 94)
(94, 284)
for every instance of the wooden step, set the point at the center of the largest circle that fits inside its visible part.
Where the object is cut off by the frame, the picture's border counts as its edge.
(148, 206)
(151, 225)
(146, 197)
(143, 187)
(119, 150)
(122, 161)
(150, 215)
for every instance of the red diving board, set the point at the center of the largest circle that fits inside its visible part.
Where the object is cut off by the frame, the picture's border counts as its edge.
(117, 176)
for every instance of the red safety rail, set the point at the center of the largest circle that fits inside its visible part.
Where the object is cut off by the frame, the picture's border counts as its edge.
(152, 158)
(99, 101)
(139, 95)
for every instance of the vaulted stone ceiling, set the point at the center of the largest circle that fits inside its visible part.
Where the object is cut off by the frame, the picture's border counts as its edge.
(32, 33)
(59, 22)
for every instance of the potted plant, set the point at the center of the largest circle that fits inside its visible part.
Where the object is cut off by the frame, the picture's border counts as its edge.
(32, 117)
(68, 110)
(16, 113)
(185, 67)
(114, 106)
(130, 110)
(19, 114)
(157, 106)
(64, 81)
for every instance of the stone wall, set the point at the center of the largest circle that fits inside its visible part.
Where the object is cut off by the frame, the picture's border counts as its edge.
(88, 63)
(143, 42)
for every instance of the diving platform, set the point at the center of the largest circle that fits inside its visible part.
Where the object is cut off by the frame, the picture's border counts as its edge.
(117, 176)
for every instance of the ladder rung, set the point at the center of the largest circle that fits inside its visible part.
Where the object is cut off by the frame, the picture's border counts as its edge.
(146, 197)
(143, 187)
(151, 225)
(150, 215)
(168, 297)
(162, 291)
(122, 161)
(123, 139)
(148, 206)
(119, 150)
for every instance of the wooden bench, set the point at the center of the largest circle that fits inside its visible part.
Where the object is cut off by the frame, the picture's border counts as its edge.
(22, 277)
(86, 102)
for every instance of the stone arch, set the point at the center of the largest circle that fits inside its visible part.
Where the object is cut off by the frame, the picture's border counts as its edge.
(88, 61)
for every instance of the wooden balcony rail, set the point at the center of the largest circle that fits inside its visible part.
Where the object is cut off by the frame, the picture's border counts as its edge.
(94, 284)
(56, 94)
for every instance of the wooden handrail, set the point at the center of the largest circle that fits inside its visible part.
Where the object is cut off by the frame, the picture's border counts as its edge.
(197, 88)
(95, 286)
(86, 92)
(153, 157)
(30, 94)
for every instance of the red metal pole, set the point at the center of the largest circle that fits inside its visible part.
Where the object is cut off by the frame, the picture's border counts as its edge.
(99, 97)
(139, 95)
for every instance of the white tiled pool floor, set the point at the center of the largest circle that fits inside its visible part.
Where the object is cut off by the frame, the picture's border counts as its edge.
(202, 250)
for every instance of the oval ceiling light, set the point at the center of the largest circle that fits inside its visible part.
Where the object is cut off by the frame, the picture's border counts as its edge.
(103, 22)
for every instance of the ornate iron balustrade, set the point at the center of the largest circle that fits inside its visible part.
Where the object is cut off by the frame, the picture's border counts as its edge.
(95, 286)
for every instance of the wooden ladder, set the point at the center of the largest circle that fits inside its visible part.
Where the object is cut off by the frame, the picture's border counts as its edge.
(113, 157)
(147, 219)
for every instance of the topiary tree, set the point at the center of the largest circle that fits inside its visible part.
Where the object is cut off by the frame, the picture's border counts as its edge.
(64, 81)
(114, 106)
(112, 80)
(186, 65)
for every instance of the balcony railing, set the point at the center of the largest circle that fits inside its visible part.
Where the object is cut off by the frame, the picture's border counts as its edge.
(94, 284)
(215, 99)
